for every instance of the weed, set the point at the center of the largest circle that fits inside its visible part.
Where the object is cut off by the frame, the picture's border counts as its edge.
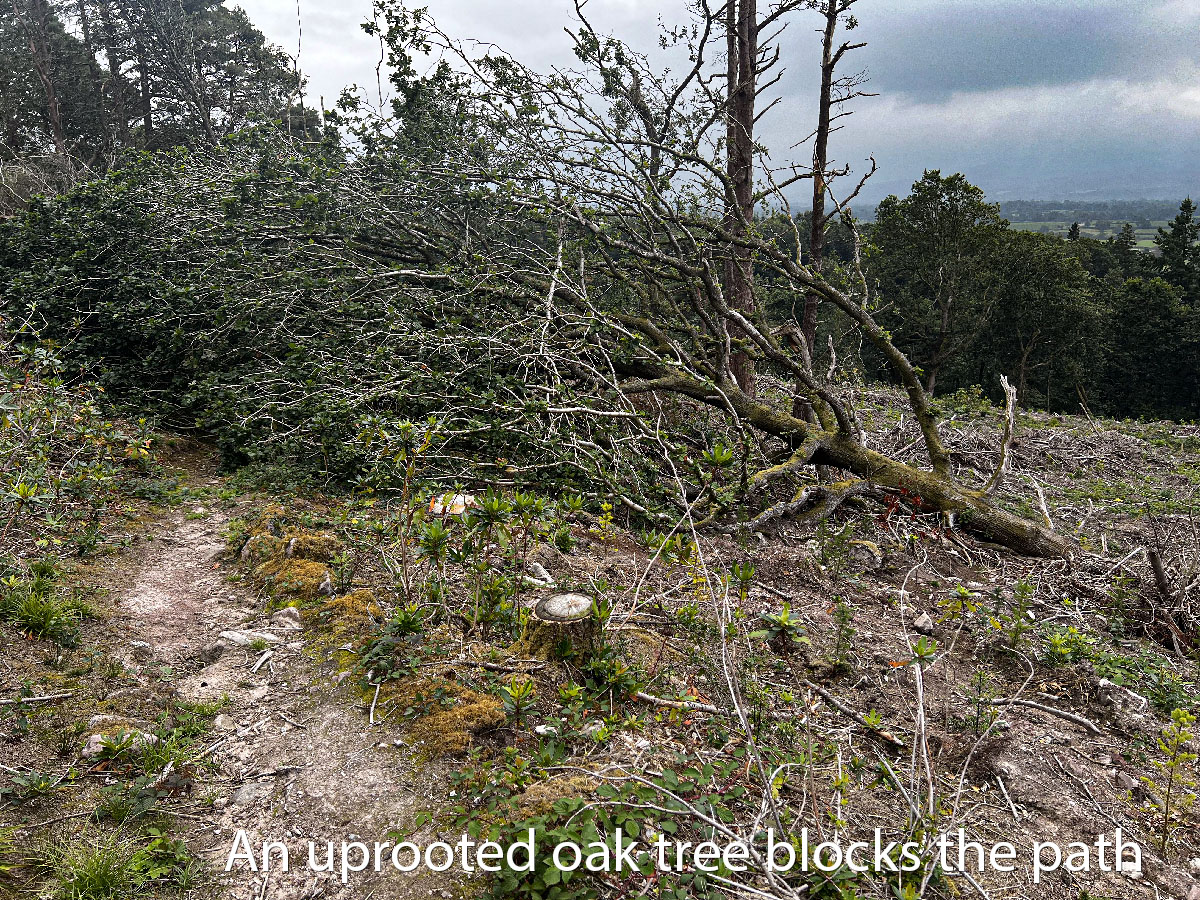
(1016, 622)
(99, 868)
(1067, 645)
(843, 635)
(983, 712)
(29, 786)
(783, 631)
(835, 547)
(518, 697)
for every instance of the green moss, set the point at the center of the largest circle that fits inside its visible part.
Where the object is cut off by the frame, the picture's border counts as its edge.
(447, 730)
(261, 547)
(355, 610)
(301, 578)
(318, 547)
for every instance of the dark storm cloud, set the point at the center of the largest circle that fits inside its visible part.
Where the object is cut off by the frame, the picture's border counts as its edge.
(1029, 98)
(935, 50)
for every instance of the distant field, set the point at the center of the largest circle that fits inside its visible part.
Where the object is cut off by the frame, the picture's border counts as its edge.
(1098, 230)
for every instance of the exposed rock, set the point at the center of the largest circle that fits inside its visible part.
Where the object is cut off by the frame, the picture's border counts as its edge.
(923, 624)
(224, 722)
(251, 793)
(867, 555)
(212, 653)
(246, 638)
(288, 617)
(142, 651)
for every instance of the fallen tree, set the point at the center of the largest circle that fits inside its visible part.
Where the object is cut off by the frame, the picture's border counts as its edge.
(650, 222)
(564, 271)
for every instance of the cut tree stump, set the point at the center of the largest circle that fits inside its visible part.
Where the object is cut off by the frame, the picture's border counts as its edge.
(557, 623)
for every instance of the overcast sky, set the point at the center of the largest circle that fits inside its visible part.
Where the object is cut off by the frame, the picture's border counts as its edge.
(1031, 99)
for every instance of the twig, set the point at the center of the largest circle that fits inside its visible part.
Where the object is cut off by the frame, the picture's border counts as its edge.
(46, 698)
(1042, 502)
(78, 815)
(1010, 430)
(688, 705)
(1012, 806)
(267, 654)
(856, 716)
(374, 700)
(1086, 790)
(281, 715)
(1062, 714)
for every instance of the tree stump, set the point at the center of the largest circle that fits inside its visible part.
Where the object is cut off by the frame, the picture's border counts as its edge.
(559, 625)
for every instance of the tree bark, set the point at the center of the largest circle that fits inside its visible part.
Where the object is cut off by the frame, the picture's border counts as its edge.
(816, 236)
(35, 26)
(972, 509)
(741, 23)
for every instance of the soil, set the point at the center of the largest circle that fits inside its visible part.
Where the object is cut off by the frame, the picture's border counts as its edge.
(296, 760)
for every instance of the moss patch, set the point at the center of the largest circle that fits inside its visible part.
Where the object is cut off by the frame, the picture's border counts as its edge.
(356, 609)
(318, 547)
(540, 797)
(300, 578)
(454, 716)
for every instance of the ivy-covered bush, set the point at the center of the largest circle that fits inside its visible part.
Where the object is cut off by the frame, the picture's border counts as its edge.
(267, 293)
(63, 461)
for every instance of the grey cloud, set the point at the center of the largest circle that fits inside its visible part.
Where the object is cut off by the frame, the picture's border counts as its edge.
(1029, 98)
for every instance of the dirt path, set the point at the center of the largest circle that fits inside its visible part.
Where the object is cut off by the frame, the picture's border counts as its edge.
(296, 759)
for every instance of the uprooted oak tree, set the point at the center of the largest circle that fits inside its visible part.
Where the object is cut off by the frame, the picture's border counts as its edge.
(567, 271)
(645, 183)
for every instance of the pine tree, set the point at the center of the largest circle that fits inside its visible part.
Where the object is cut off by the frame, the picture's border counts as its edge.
(1180, 254)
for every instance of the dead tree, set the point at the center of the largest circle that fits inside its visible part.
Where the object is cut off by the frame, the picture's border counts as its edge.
(836, 91)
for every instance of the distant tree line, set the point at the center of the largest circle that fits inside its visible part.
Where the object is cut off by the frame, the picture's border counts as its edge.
(1138, 212)
(1071, 322)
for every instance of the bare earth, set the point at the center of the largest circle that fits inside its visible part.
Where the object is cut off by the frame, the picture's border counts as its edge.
(297, 760)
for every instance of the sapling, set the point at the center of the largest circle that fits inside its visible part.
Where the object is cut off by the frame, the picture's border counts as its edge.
(1176, 767)
(843, 640)
(518, 697)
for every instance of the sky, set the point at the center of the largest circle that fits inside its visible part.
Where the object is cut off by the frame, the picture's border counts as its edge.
(1030, 99)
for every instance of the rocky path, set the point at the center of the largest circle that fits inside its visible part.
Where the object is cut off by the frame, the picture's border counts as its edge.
(295, 758)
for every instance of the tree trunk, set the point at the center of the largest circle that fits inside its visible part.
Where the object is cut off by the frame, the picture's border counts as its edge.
(816, 235)
(115, 81)
(974, 512)
(35, 26)
(147, 98)
(741, 23)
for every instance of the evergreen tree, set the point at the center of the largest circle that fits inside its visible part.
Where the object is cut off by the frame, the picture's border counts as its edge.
(931, 248)
(1180, 254)
(1129, 260)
